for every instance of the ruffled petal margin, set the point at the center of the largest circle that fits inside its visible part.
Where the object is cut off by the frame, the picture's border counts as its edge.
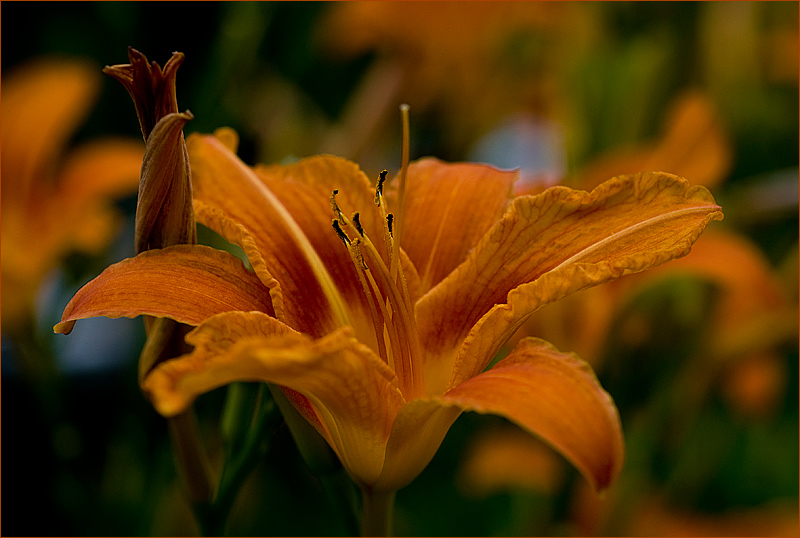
(354, 394)
(549, 246)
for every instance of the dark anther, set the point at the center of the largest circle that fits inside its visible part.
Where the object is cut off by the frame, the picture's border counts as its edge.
(381, 181)
(340, 232)
(357, 223)
(334, 206)
(379, 188)
(389, 222)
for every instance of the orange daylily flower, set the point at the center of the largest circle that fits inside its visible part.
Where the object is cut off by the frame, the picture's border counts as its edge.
(54, 201)
(382, 345)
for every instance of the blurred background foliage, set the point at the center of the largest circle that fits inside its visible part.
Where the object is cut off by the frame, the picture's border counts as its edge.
(701, 357)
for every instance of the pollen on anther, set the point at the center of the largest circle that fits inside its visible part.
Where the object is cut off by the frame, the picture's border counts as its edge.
(357, 223)
(340, 232)
(390, 222)
(379, 188)
(334, 206)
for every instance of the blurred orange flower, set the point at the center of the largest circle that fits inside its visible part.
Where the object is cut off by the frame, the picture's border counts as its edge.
(453, 55)
(502, 459)
(694, 144)
(654, 517)
(651, 515)
(54, 201)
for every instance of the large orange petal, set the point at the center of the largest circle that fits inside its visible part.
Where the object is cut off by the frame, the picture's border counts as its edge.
(556, 397)
(549, 246)
(176, 383)
(304, 188)
(447, 209)
(285, 210)
(751, 312)
(355, 395)
(184, 283)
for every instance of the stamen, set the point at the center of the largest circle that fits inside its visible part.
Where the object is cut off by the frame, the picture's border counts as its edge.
(395, 361)
(357, 224)
(397, 273)
(377, 320)
(401, 197)
(394, 312)
(384, 283)
(335, 207)
(340, 232)
(359, 257)
(379, 187)
(406, 365)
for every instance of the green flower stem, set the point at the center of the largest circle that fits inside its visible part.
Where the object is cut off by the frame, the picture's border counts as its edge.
(321, 461)
(191, 459)
(240, 462)
(319, 457)
(376, 512)
(239, 415)
(342, 494)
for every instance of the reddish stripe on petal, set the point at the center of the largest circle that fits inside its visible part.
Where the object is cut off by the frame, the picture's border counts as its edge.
(448, 208)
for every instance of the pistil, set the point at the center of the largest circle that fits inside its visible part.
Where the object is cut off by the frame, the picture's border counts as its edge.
(404, 157)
